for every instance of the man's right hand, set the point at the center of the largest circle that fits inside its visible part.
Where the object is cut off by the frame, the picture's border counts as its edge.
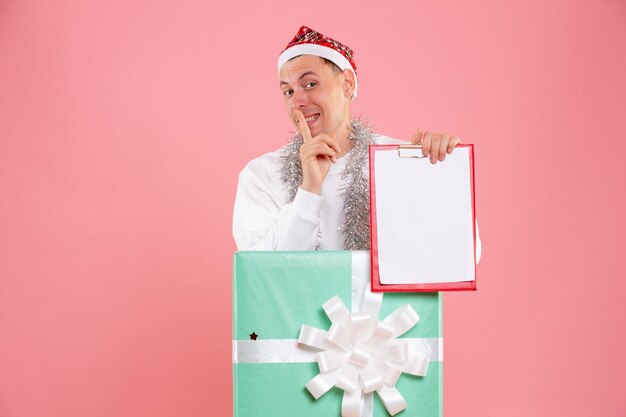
(316, 155)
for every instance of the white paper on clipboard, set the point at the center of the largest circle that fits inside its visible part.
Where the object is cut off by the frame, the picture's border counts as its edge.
(424, 217)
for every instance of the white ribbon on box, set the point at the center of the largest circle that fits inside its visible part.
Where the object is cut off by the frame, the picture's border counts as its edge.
(358, 354)
(361, 354)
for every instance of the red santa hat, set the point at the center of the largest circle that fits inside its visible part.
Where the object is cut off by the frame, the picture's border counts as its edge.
(309, 42)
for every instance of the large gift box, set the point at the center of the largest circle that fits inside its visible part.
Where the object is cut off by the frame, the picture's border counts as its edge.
(311, 339)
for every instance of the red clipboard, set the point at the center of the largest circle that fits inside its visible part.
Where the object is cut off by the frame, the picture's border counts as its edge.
(386, 264)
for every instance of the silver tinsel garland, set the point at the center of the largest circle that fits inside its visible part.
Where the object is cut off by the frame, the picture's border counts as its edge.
(354, 189)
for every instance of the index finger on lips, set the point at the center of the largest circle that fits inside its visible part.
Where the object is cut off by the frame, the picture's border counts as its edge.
(302, 126)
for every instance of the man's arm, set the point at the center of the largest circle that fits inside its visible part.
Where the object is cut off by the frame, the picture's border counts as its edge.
(263, 221)
(261, 218)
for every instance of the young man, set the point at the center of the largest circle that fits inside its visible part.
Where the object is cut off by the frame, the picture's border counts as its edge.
(313, 193)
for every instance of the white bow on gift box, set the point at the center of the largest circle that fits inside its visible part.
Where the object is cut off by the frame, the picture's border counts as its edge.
(360, 354)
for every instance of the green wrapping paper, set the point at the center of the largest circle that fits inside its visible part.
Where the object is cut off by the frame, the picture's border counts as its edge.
(274, 294)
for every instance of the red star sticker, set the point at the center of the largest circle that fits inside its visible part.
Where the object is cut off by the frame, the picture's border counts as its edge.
(253, 336)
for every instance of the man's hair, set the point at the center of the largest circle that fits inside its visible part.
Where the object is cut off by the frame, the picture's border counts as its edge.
(336, 69)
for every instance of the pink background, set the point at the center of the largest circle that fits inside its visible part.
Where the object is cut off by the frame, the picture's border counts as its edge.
(124, 125)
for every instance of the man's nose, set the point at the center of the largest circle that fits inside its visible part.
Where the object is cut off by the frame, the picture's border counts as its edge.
(299, 98)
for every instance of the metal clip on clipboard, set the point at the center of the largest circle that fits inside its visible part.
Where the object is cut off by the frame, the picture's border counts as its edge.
(402, 147)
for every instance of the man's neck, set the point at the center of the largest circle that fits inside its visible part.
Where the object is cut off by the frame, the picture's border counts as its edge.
(345, 144)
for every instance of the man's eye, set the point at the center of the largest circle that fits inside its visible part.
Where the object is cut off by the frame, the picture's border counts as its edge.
(311, 84)
(287, 93)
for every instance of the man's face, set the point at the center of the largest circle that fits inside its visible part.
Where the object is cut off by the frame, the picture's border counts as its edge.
(312, 86)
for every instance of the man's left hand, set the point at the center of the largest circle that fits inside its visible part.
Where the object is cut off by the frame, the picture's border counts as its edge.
(435, 145)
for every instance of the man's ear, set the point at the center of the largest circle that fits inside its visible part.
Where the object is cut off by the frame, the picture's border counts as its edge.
(348, 83)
